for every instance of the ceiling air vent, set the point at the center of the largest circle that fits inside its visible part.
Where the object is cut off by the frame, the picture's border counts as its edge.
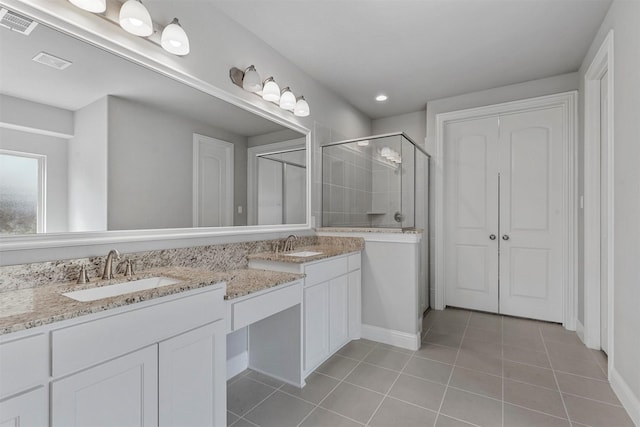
(52, 61)
(16, 22)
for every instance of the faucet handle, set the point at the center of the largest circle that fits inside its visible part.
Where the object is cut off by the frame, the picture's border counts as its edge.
(83, 276)
(127, 266)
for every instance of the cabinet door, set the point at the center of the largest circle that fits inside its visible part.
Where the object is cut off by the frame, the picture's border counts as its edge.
(338, 312)
(121, 392)
(192, 378)
(27, 410)
(316, 325)
(355, 304)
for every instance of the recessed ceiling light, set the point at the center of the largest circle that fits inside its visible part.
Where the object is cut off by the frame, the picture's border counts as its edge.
(381, 98)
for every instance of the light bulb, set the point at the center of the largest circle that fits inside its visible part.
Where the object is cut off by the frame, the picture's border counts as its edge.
(302, 107)
(174, 39)
(386, 152)
(251, 80)
(95, 6)
(363, 143)
(135, 19)
(287, 99)
(271, 90)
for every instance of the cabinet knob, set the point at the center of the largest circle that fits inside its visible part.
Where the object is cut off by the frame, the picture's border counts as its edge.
(492, 237)
(505, 237)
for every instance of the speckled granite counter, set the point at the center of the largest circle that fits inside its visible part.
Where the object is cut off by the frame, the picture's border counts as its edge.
(327, 250)
(248, 281)
(28, 308)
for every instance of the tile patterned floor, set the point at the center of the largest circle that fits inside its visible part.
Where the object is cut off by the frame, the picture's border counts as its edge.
(473, 369)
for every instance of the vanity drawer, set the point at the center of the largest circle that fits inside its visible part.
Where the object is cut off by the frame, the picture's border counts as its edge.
(89, 343)
(325, 270)
(24, 363)
(354, 261)
(249, 310)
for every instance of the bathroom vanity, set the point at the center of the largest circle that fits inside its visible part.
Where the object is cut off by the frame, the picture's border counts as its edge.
(158, 361)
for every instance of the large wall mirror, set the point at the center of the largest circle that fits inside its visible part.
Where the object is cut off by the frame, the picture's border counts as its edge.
(92, 142)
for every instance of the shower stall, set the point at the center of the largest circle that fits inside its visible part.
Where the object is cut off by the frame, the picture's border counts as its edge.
(282, 189)
(375, 182)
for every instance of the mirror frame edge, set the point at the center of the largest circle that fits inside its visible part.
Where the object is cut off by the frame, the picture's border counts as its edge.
(63, 23)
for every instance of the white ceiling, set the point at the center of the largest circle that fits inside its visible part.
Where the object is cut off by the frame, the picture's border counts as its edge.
(415, 51)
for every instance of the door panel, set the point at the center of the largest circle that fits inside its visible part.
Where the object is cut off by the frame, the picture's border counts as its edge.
(531, 213)
(338, 312)
(212, 182)
(316, 325)
(471, 189)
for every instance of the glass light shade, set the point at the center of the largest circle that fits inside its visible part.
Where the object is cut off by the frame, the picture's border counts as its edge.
(135, 19)
(302, 107)
(95, 6)
(271, 90)
(287, 99)
(251, 80)
(174, 39)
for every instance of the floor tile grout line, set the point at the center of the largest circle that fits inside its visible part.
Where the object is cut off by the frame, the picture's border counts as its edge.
(593, 400)
(555, 377)
(340, 381)
(389, 389)
(446, 388)
(260, 402)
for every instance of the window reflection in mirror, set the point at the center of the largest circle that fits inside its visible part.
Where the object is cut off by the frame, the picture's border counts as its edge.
(128, 148)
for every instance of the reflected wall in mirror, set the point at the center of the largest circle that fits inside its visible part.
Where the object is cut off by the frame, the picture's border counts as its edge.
(113, 145)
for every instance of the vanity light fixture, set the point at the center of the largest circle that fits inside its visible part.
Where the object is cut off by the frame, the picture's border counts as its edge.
(382, 97)
(287, 99)
(249, 80)
(271, 90)
(135, 18)
(302, 107)
(95, 6)
(174, 39)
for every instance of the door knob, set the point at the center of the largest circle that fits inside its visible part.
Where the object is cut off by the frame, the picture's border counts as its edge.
(505, 237)
(492, 237)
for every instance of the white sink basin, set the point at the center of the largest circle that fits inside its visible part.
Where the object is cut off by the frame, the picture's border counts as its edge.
(304, 254)
(120, 288)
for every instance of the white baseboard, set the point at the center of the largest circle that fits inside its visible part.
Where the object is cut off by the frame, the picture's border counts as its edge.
(277, 377)
(391, 337)
(237, 364)
(580, 331)
(630, 401)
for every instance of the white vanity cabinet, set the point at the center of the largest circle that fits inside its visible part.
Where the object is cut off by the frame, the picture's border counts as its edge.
(331, 303)
(155, 363)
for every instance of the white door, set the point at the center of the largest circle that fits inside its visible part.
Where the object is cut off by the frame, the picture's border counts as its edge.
(604, 214)
(189, 370)
(531, 214)
(471, 214)
(316, 325)
(26, 410)
(122, 392)
(212, 182)
(338, 312)
(503, 215)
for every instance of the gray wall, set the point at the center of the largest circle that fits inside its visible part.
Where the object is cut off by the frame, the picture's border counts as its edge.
(20, 112)
(88, 169)
(151, 167)
(624, 18)
(413, 124)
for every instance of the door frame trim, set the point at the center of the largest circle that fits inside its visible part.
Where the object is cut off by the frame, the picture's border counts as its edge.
(229, 197)
(601, 63)
(568, 102)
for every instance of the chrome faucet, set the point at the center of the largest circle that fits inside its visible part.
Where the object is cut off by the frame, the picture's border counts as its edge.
(108, 265)
(288, 243)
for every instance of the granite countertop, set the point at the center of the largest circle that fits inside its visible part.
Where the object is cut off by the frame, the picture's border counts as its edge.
(28, 308)
(327, 251)
(248, 281)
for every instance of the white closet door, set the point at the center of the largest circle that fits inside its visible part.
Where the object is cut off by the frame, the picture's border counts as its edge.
(531, 213)
(471, 214)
